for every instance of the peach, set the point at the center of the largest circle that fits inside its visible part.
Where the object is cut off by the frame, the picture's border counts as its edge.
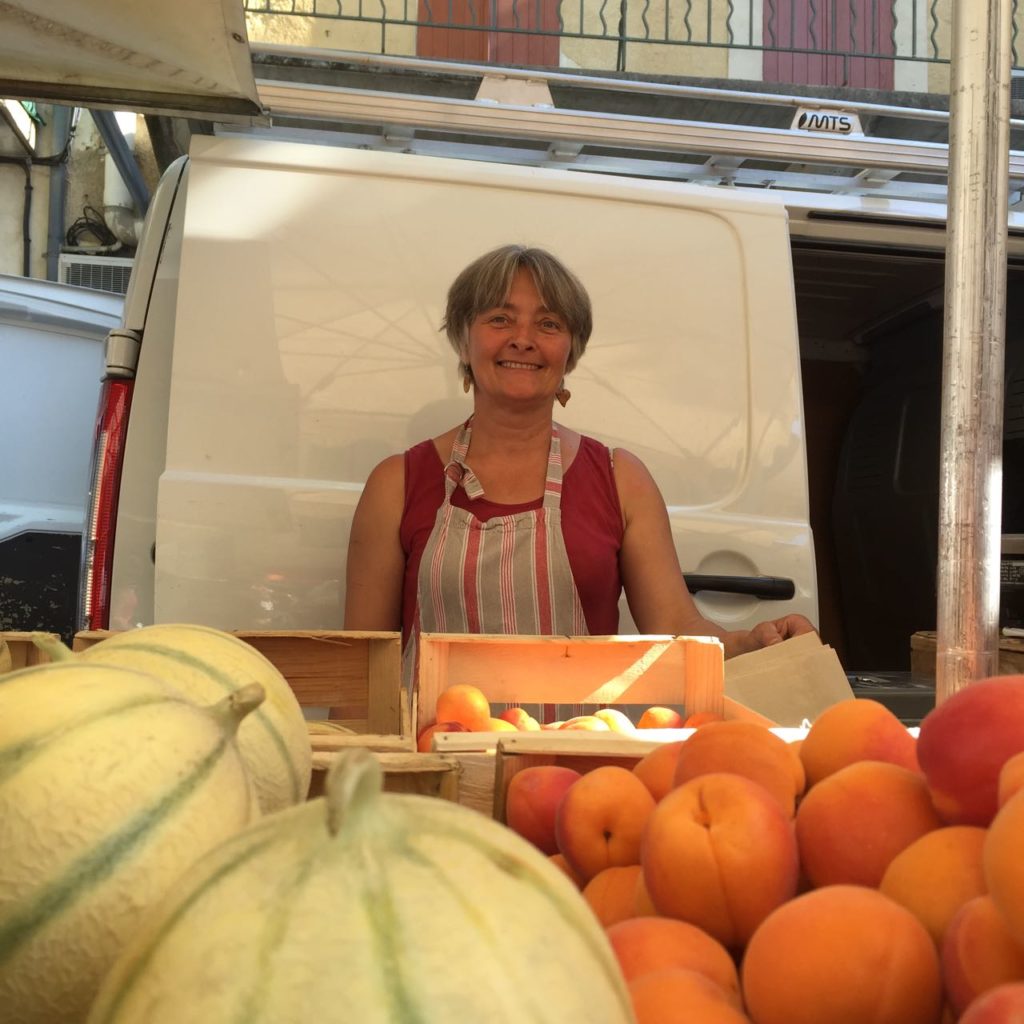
(852, 824)
(937, 874)
(586, 722)
(501, 725)
(645, 944)
(1011, 778)
(720, 853)
(611, 893)
(747, 749)
(978, 953)
(563, 865)
(1004, 864)
(964, 743)
(1003, 1004)
(601, 819)
(424, 742)
(464, 703)
(615, 720)
(657, 770)
(657, 717)
(680, 996)
(843, 953)
(642, 904)
(532, 800)
(853, 730)
(521, 719)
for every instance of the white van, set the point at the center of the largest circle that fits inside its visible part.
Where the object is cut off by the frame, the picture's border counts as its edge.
(282, 336)
(51, 353)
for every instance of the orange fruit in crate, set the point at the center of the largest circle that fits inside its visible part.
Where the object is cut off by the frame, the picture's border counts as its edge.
(855, 730)
(657, 770)
(611, 893)
(842, 953)
(521, 719)
(466, 704)
(699, 718)
(501, 725)
(677, 995)
(660, 718)
(424, 742)
(645, 944)
(747, 749)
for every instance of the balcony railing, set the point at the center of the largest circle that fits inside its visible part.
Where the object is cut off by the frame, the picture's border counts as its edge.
(883, 44)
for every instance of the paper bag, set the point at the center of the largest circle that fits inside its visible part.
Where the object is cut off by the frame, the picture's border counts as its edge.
(790, 682)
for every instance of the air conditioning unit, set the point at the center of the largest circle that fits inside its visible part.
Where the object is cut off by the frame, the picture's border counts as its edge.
(103, 273)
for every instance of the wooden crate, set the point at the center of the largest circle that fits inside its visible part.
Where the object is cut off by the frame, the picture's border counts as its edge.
(682, 672)
(23, 652)
(356, 676)
(405, 770)
(923, 647)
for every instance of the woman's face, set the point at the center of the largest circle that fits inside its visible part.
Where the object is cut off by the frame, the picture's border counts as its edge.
(519, 349)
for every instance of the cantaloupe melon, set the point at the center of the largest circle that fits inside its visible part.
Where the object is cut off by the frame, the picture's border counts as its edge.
(206, 664)
(111, 785)
(369, 908)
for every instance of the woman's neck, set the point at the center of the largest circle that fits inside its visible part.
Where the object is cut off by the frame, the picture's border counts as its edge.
(512, 433)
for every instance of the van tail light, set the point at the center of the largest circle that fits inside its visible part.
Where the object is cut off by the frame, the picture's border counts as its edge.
(105, 485)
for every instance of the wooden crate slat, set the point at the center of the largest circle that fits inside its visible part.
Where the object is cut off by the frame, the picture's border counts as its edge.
(24, 653)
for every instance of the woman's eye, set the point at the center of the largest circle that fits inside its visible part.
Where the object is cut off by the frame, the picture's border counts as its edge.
(499, 320)
(551, 325)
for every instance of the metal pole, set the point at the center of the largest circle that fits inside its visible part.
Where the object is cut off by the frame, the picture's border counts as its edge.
(970, 498)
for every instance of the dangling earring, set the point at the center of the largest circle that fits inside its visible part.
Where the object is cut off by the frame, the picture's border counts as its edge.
(563, 394)
(467, 377)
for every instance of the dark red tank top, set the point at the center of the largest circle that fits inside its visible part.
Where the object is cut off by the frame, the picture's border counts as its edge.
(591, 527)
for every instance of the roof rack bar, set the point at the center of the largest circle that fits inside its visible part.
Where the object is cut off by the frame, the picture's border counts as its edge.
(644, 87)
(612, 130)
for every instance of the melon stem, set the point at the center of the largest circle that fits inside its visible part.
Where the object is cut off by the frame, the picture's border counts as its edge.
(230, 711)
(52, 646)
(354, 783)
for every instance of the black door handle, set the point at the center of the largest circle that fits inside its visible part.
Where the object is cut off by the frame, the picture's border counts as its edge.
(768, 588)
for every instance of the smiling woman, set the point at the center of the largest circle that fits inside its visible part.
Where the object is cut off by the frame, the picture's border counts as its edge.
(510, 522)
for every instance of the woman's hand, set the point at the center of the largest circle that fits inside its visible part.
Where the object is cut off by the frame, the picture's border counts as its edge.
(774, 631)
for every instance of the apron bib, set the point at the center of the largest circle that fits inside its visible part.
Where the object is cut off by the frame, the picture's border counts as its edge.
(510, 574)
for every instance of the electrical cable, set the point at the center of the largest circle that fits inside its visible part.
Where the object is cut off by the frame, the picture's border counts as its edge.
(91, 223)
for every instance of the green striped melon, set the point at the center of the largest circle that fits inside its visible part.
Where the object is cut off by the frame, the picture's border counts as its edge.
(111, 785)
(206, 664)
(369, 908)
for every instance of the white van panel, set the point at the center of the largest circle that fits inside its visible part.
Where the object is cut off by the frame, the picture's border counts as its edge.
(307, 348)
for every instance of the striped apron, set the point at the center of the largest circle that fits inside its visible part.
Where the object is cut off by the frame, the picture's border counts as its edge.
(510, 574)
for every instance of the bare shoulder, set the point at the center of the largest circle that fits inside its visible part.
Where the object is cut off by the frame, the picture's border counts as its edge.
(630, 470)
(386, 479)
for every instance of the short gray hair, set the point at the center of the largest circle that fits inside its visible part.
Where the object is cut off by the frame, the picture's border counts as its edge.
(486, 282)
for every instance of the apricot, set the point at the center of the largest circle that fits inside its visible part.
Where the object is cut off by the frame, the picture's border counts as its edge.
(615, 720)
(978, 953)
(843, 954)
(1003, 862)
(532, 800)
(720, 853)
(501, 725)
(466, 704)
(937, 874)
(699, 718)
(601, 819)
(521, 719)
(852, 824)
(660, 718)
(1011, 778)
(611, 893)
(645, 944)
(657, 770)
(642, 904)
(747, 749)
(854, 730)
(679, 996)
(424, 742)
(964, 743)
(1003, 1004)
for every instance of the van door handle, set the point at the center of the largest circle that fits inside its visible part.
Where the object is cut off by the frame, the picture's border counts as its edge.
(767, 588)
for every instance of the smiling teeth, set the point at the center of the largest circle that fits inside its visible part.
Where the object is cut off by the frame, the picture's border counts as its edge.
(518, 366)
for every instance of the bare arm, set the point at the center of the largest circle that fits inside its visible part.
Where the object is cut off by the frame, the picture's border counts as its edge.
(376, 561)
(655, 589)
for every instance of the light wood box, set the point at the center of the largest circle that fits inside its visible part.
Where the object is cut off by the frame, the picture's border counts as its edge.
(923, 646)
(686, 672)
(24, 653)
(356, 676)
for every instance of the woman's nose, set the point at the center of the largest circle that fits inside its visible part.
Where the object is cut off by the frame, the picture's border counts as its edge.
(523, 335)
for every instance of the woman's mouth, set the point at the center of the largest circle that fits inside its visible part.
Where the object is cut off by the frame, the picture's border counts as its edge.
(508, 364)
